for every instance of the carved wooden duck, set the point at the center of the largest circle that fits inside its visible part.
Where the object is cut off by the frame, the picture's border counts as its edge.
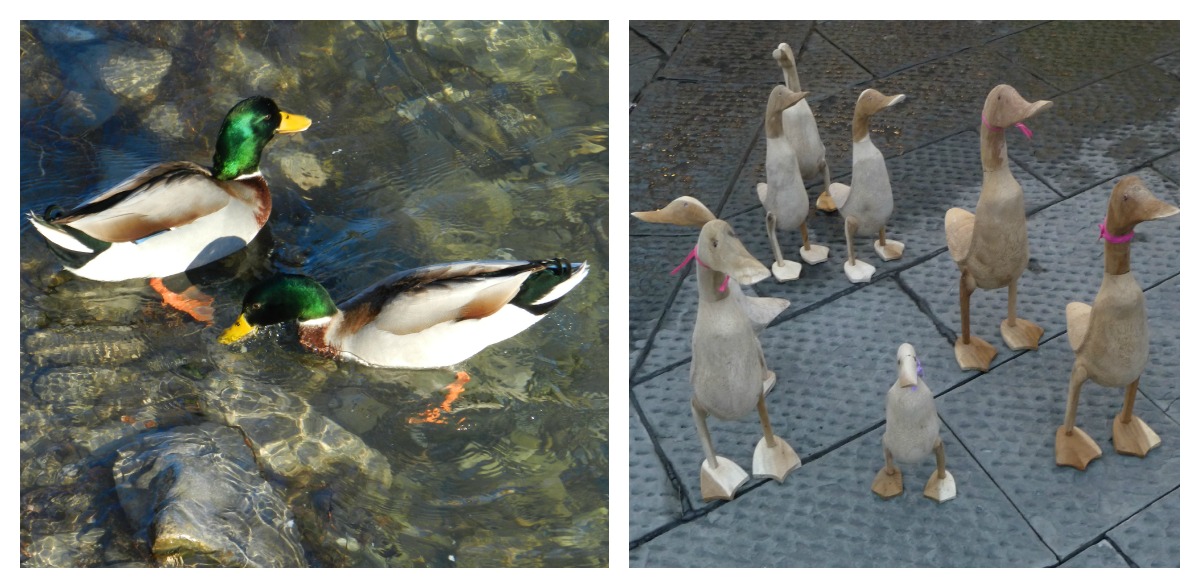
(991, 247)
(689, 212)
(911, 432)
(1111, 338)
(783, 195)
(800, 128)
(729, 374)
(866, 204)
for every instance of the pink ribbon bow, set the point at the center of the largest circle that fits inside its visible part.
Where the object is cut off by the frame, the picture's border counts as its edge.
(1104, 234)
(1020, 125)
(692, 255)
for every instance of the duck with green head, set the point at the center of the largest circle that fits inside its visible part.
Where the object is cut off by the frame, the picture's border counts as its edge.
(428, 317)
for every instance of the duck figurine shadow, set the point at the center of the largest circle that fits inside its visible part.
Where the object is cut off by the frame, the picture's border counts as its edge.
(783, 195)
(911, 432)
(866, 204)
(991, 247)
(1111, 338)
(729, 374)
(800, 128)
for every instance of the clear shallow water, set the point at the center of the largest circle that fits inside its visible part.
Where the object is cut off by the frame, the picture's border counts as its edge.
(429, 143)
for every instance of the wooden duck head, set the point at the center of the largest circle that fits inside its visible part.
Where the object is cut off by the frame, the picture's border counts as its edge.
(1130, 203)
(906, 366)
(720, 250)
(870, 102)
(787, 62)
(781, 98)
(1003, 108)
(683, 211)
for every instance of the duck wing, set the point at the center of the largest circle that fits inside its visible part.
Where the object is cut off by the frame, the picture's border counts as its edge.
(960, 226)
(1079, 317)
(840, 193)
(159, 198)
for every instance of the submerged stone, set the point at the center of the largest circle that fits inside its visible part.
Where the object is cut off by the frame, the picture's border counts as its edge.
(134, 71)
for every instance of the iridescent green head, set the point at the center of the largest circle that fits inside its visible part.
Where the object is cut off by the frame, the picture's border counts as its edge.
(282, 297)
(247, 129)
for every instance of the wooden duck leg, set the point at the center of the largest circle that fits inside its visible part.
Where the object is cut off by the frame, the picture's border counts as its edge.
(889, 482)
(1018, 333)
(719, 477)
(971, 353)
(1072, 446)
(784, 270)
(1131, 435)
(825, 201)
(773, 457)
(857, 270)
(888, 250)
(811, 254)
(940, 487)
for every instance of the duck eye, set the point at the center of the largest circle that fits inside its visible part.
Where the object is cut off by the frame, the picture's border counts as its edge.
(714, 243)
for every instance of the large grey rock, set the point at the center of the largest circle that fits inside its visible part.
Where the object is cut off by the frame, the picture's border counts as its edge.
(134, 71)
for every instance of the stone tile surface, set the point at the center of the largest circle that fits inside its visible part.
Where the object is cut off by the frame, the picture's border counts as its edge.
(884, 47)
(1168, 166)
(1160, 379)
(1151, 537)
(1100, 555)
(656, 503)
(663, 34)
(734, 52)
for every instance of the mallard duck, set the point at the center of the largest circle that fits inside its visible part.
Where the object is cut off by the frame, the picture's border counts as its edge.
(866, 204)
(800, 128)
(911, 432)
(176, 216)
(428, 317)
(991, 247)
(1111, 338)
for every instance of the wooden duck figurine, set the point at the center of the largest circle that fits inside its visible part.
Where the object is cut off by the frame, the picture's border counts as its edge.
(866, 204)
(1111, 338)
(911, 432)
(800, 128)
(991, 247)
(783, 195)
(689, 212)
(729, 374)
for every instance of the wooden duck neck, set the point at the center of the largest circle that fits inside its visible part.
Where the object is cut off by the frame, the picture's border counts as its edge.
(710, 281)
(1116, 258)
(862, 125)
(993, 149)
(791, 78)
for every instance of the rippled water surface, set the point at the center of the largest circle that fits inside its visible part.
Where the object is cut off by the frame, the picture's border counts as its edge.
(430, 142)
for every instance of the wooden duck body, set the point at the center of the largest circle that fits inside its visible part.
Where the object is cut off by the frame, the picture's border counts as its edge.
(728, 368)
(1118, 351)
(912, 422)
(999, 249)
(785, 196)
(799, 124)
(870, 197)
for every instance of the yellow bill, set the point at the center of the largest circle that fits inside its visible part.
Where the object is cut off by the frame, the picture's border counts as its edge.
(292, 123)
(240, 329)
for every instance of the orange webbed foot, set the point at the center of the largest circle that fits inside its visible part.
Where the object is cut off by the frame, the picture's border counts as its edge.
(195, 303)
(453, 391)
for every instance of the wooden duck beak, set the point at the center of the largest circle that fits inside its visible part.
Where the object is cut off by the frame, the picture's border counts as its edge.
(1006, 107)
(684, 211)
(1132, 203)
(784, 56)
(781, 99)
(721, 250)
(906, 370)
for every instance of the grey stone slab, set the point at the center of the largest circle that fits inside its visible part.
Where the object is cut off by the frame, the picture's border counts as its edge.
(825, 515)
(834, 366)
(1151, 537)
(824, 69)
(665, 34)
(1169, 63)
(642, 49)
(641, 74)
(1160, 381)
(1066, 264)
(653, 501)
(1100, 555)
(884, 47)
(1007, 420)
(736, 52)
(1101, 130)
(1168, 166)
(1071, 54)
(650, 283)
(637, 556)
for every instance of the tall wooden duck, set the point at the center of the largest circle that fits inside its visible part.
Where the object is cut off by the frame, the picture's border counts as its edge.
(800, 128)
(1111, 338)
(783, 195)
(911, 432)
(729, 374)
(866, 204)
(689, 212)
(991, 247)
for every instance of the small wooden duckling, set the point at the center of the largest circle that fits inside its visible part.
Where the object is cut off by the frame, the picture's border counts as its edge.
(911, 432)
(783, 195)
(1111, 338)
(689, 212)
(991, 247)
(729, 374)
(867, 203)
(800, 128)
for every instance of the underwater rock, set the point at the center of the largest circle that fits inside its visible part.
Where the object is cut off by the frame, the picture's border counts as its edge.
(164, 120)
(304, 169)
(65, 550)
(503, 51)
(461, 216)
(194, 495)
(133, 71)
(102, 345)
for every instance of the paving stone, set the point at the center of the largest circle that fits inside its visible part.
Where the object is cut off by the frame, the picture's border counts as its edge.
(640, 75)
(1160, 381)
(1102, 130)
(1169, 166)
(664, 34)
(1169, 63)
(1100, 555)
(825, 515)
(883, 47)
(653, 501)
(737, 52)
(1071, 54)
(1151, 537)
(824, 69)
(1066, 264)
(650, 283)
(642, 49)
(1010, 429)
(834, 367)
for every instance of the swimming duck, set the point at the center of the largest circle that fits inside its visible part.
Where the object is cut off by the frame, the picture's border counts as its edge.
(991, 247)
(729, 374)
(800, 128)
(783, 194)
(689, 212)
(428, 317)
(1111, 338)
(911, 432)
(866, 204)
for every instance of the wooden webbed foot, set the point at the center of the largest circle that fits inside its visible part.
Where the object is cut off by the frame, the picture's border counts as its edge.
(1022, 335)
(858, 272)
(1076, 449)
(786, 271)
(814, 254)
(825, 203)
(977, 355)
(1134, 437)
(888, 485)
(940, 490)
(890, 250)
(721, 482)
(774, 462)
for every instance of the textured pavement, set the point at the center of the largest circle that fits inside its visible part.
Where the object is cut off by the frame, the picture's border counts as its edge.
(698, 94)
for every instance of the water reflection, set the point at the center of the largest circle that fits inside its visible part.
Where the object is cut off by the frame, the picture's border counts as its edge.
(430, 142)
